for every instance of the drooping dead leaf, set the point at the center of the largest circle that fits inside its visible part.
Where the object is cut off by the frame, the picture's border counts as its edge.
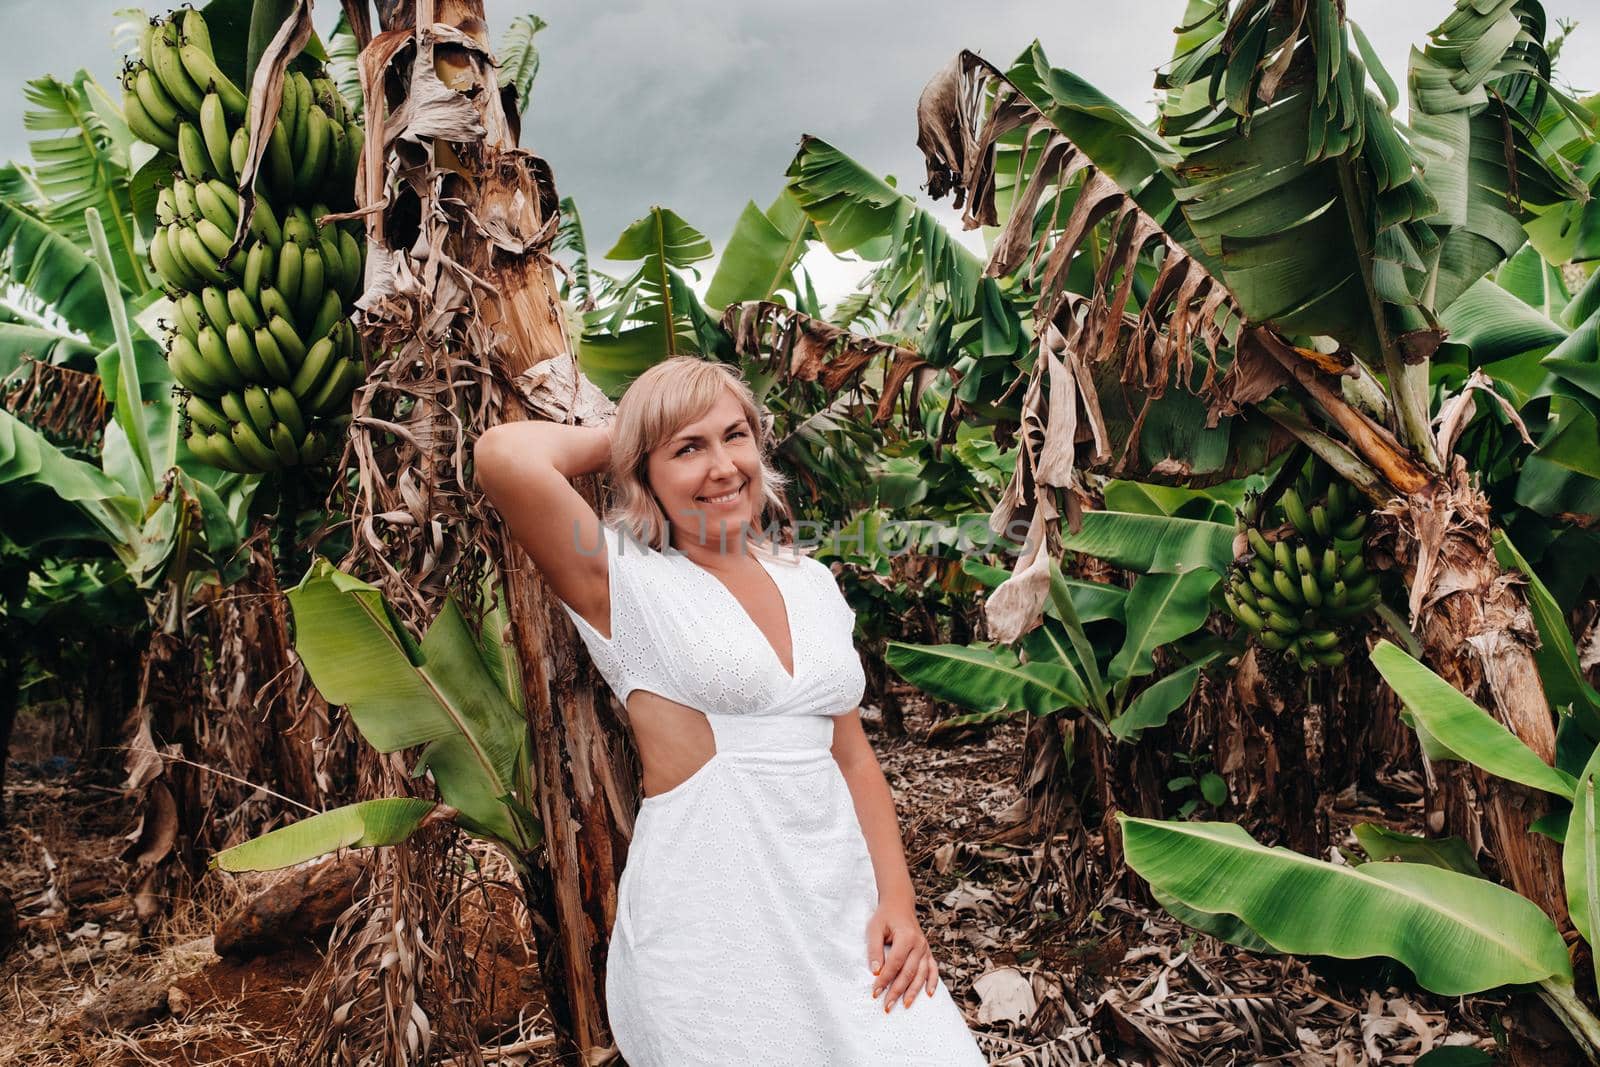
(1005, 994)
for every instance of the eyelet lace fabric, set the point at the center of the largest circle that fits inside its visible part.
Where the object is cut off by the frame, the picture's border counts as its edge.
(740, 935)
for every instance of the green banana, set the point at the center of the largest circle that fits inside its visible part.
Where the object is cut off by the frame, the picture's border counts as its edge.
(257, 262)
(157, 103)
(1282, 623)
(1322, 640)
(272, 303)
(282, 330)
(272, 357)
(218, 139)
(1328, 659)
(1285, 559)
(192, 155)
(166, 207)
(198, 256)
(242, 347)
(284, 444)
(1246, 614)
(260, 409)
(1276, 642)
(169, 70)
(1310, 590)
(1296, 512)
(314, 369)
(217, 240)
(335, 392)
(264, 223)
(1258, 543)
(308, 173)
(239, 149)
(190, 313)
(144, 126)
(328, 315)
(191, 370)
(288, 411)
(242, 310)
(205, 414)
(222, 444)
(1287, 588)
(1353, 528)
(311, 285)
(350, 255)
(1303, 560)
(213, 208)
(298, 230)
(183, 196)
(205, 73)
(185, 268)
(216, 355)
(280, 159)
(1354, 569)
(290, 260)
(1261, 577)
(301, 128)
(193, 28)
(215, 302)
(1319, 521)
(174, 275)
(199, 443)
(313, 447)
(253, 449)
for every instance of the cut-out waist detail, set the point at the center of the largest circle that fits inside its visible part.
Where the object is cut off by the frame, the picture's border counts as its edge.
(778, 735)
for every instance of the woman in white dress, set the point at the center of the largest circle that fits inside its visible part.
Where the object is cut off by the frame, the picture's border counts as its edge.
(766, 885)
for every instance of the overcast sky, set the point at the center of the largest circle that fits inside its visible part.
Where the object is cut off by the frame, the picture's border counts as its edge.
(698, 105)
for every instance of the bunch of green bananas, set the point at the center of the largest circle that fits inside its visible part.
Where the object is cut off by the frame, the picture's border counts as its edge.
(1298, 588)
(261, 339)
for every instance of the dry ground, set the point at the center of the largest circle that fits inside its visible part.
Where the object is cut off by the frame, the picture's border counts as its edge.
(1122, 984)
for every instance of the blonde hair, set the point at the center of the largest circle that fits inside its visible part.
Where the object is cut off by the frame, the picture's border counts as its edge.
(657, 404)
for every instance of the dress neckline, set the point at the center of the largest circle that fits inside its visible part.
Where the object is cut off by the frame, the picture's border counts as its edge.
(783, 597)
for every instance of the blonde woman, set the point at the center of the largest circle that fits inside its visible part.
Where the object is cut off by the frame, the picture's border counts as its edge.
(766, 887)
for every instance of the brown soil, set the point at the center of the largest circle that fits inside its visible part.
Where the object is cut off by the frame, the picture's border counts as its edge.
(1121, 984)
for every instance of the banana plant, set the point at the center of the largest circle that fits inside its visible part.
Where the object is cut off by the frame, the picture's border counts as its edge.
(1298, 278)
(450, 692)
(1059, 666)
(1479, 935)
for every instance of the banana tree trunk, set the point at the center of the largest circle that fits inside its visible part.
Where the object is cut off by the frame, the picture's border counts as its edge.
(506, 205)
(1478, 634)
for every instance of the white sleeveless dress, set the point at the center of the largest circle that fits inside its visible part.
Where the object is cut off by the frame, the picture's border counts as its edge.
(740, 936)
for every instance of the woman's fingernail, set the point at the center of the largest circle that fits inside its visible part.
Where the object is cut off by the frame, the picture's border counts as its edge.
(876, 966)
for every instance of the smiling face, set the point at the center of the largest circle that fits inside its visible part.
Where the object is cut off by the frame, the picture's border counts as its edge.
(707, 477)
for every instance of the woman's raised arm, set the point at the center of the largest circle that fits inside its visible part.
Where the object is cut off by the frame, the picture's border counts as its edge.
(526, 471)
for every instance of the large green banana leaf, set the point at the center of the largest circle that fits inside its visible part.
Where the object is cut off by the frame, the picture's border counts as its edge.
(762, 254)
(1477, 90)
(1458, 934)
(654, 314)
(50, 264)
(1161, 609)
(400, 694)
(1154, 705)
(52, 497)
(518, 57)
(83, 164)
(989, 680)
(371, 823)
(1154, 544)
(1580, 863)
(1466, 730)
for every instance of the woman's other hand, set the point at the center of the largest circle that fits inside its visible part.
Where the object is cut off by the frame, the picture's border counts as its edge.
(906, 965)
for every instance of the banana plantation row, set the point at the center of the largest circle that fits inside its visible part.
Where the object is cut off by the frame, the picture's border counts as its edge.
(1297, 403)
